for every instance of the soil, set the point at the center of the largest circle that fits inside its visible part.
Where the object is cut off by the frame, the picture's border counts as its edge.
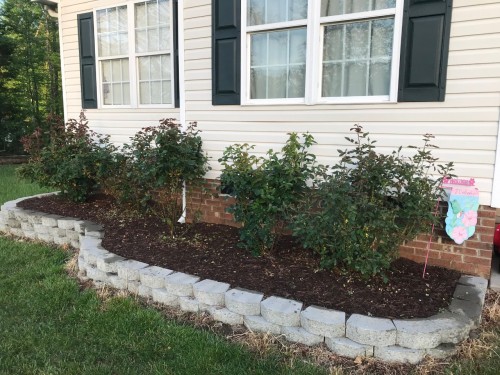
(211, 252)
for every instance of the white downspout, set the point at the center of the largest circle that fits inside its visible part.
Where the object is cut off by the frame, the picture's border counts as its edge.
(182, 98)
(495, 192)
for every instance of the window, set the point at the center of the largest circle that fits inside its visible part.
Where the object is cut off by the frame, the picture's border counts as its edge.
(320, 51)
(134, 53)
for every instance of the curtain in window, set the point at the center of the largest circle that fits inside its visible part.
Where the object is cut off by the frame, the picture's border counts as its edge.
(337, 7)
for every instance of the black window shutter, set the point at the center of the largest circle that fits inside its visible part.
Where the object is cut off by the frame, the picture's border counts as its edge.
(87, 60)
(175, 55)
(424, 50)
(226, 46)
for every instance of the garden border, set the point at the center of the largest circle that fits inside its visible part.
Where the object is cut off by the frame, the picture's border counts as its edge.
(392, 340)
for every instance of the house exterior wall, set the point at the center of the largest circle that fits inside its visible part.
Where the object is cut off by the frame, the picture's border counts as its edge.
(465, 124)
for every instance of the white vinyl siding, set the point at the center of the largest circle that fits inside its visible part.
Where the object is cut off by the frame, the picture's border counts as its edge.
(465, 124)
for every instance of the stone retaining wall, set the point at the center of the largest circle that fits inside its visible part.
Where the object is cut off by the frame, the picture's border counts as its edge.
(393, 340)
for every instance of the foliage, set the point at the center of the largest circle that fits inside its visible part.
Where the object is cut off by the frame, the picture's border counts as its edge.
(30, 83)
(151, 170)
(267, 189)
(370, 204)
(71, 158)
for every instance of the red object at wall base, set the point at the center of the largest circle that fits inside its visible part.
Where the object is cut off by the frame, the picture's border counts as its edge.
(496, 239)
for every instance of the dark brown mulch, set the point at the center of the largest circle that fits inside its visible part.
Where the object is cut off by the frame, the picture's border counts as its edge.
(211, 251)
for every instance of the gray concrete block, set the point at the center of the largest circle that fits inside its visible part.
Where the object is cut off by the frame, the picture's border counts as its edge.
(21, 215)
(92, 255)
(72, 235)
(94, 230)
(476, 281)
(371, 331)
(108, 263)
(35, 217)
(470, 293)
(89, 243)
(3, 228)
(45, 237)
(180, 284)
(50, 220)
(30, 234)
(144, 291)
(117, 282)
(161, 295)
(129, 269)
(224, 315)
(398, 354)
(13, 223)
(300, 335)
(282, 311)
(79, 226)
(189, 304)
(75, 244)
(18, 232)
(442, 351)
(323, 322)
(57, 232)
(210, 292)
(244, 302)
(25, 226)
(61, 241)
(348, 348)
(154, 277)
(40, 229)
(96, 275)
(133, 287)
(257, 323)
(82, 263)
(472, 309)
(66, 223)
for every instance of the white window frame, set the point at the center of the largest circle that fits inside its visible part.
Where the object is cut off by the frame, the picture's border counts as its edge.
(314, 55)
(133, 57)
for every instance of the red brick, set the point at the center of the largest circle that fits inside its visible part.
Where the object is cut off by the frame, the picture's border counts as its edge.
(469, 251)
(483, 271)
(440, 262)
(423, 253)
(485, 230)
(406, 251)
(477, 261)
(477, 244)
(486, 253)
(452, 257)
(488, 214)
(487, 238)
(464, 267)
(437, 246)
(419, 244)
(487, 222)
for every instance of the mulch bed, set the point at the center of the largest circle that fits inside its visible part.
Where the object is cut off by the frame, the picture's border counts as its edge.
(211, 251)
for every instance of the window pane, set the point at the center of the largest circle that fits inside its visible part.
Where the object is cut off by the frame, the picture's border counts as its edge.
(332, 80)
(277, 60)
(277, 82)
(166, 92)
(276, 11)
(156, 92)
(112, 36)
(298, 41)
(296, 79)
(260, 12)
(357, 58)
(381, 43)
(277, 47)
(356, 44)
(337, 7)
(355, 79)
(258, 83)
(380, 78)
(258, 53)
(155, 67)
(152, 21)
(333, 43)
(165, 66)
(145, 97)
(115, 82)
(256, 12)
(143, 68)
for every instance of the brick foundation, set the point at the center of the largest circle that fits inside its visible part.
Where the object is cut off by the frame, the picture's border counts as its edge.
(472, 257)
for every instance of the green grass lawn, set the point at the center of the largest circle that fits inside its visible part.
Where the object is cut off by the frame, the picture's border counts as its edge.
(49, 326)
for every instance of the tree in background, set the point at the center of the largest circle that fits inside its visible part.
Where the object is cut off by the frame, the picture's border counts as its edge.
(30, 84)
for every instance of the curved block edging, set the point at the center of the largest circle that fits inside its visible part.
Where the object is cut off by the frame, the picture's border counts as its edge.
(393, 340)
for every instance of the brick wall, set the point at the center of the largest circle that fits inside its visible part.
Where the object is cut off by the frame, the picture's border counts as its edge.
(472, 257)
